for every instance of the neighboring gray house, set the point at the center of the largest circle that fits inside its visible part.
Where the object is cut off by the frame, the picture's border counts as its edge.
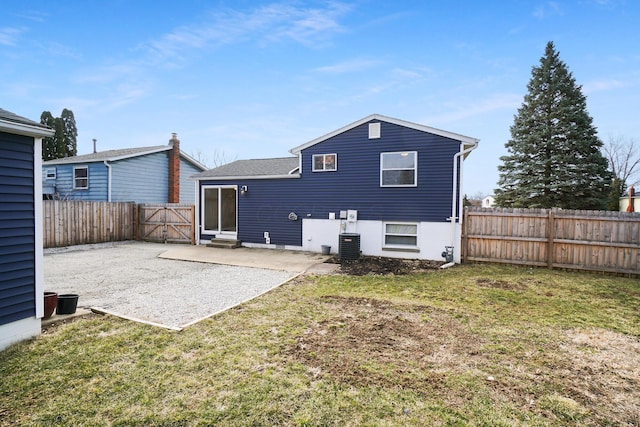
(21, 266)
(158, 174)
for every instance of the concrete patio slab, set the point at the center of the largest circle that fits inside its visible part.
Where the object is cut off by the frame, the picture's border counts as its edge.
(271, 259)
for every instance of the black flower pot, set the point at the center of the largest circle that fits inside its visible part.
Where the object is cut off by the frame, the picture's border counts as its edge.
(67, 303)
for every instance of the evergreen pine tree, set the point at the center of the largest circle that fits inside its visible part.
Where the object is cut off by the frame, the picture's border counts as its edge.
(70, 133)
(48, 144)
(64, 142)
(554, 155)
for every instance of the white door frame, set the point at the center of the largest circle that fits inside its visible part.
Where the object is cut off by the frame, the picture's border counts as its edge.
(222, 233)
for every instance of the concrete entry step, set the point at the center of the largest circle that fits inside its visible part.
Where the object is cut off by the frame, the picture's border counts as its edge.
(224, 243)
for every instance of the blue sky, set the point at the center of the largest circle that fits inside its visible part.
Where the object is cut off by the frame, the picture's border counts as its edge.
(252, 79)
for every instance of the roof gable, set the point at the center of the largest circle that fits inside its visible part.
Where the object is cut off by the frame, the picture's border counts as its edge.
(109, 155)
(121, 154)
(462, 138)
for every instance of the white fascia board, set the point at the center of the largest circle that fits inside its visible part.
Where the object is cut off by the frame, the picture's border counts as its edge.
(25, 130)
(229, 178)
(467, 140)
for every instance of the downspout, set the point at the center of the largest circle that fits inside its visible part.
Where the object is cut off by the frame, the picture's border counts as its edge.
(106, 163)
(458, 214)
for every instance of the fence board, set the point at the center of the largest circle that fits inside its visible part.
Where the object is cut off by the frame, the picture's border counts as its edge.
(582, 240)
(67, 222)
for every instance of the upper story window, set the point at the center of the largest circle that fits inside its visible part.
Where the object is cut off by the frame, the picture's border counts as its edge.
(399, 169)
(81, 178)
(50, 173)
(325, 162)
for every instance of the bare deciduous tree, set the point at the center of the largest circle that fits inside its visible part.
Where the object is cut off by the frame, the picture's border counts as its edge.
(623, 155)
(219, 158)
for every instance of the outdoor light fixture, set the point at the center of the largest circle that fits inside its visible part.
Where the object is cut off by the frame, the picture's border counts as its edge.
(244, 189)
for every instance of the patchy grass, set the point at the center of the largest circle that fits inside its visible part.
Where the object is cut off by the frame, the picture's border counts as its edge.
(472, 345)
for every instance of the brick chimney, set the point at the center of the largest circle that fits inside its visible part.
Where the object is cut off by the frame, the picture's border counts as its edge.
(174, 170)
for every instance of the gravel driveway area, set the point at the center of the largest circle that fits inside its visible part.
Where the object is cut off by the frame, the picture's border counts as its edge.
(129, 280)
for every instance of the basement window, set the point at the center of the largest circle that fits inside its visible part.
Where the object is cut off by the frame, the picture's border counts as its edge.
(81, 178)
(400, 235)
(325, 162)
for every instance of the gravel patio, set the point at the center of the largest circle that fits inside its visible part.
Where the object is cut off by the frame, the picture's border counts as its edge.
(131, 280)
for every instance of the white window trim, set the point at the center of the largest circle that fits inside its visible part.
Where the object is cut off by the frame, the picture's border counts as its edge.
(75, 187)
(203, 208)
(415, 169)
(324, 162)
(391, 246)
(49, 171)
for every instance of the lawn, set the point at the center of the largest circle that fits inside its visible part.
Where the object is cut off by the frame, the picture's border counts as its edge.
(471, 345)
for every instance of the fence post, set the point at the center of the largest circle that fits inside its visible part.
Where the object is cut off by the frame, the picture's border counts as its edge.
(552, 234)
(465, 232)
(193, 223)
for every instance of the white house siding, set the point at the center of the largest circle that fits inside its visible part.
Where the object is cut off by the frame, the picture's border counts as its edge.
(432, 238)
(140, 179)
(19, 330)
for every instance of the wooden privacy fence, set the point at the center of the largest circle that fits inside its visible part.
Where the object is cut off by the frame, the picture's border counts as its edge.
(69, 222)
(583, 240)
(172, 223)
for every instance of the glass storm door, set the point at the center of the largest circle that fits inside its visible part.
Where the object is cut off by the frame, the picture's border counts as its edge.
(219, 210)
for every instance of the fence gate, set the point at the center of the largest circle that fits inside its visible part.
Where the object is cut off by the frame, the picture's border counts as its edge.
(168, 223)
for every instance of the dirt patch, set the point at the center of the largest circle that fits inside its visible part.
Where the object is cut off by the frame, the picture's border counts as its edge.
(500, 284)
(372, 265)
(375, 342)
(604, 367)
(589, 377)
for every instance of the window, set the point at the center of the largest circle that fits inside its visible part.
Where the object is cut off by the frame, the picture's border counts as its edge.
(50, 173)
(325, 162)
(81, 178)
(399, 169)
(400, 235)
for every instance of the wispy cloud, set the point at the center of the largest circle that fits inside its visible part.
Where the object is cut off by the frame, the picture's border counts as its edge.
(350, 66)
(550, 8)
(604, 85)
(58, 50)
(273, 23)
(9, 35)
(34, 15)
(500, 101)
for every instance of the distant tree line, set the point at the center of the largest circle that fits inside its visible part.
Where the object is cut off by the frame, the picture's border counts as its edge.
(64, 142)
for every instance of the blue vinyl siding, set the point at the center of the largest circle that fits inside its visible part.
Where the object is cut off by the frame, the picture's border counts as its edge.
(356, 183)
(63, 184)
(266, 207)
(17, 229)
(142, 179)
(187, 186)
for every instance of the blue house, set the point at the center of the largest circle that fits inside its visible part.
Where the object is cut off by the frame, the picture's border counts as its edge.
(158, 174)
(394, 183)
(21, 274)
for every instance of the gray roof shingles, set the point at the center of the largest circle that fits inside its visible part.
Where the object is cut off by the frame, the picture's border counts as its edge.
(11, 117)
(252, 168)
(108, 155)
